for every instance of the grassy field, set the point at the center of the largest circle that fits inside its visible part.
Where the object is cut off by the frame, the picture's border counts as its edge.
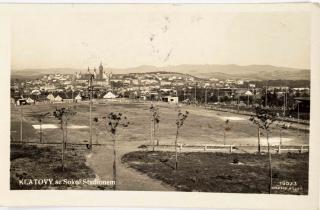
(43, 162)
(215, 172)
(201, 127)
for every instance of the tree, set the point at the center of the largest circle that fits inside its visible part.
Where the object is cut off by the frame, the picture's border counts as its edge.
(96, 121)
(263, 119)
(155, 120)
(226, 129)
(179, 122)
(41, 117)
(113, 121)
(63, 114)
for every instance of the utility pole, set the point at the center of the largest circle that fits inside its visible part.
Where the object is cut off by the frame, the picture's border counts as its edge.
(298, 113)
(90, 117)
(284, 103)
(90, 107)
(248, 99)
(21, 121)
(238, 104)
(139, 93)
(40, 130)
(159, 95)
(206, 96)
(286, 98)
(266, 98)
(151, 130)
(195, 93)
(298, 117)
(21, 91)
(298, 102)
(72, 88)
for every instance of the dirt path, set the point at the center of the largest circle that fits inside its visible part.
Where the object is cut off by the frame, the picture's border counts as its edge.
(101, 160)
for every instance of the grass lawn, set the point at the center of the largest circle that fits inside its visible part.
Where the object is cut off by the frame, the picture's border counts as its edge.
(201, 127)
(215, 172)
(32, 162)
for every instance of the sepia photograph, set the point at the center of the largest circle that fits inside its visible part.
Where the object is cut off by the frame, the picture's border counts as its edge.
(193, 101)
(160, 98)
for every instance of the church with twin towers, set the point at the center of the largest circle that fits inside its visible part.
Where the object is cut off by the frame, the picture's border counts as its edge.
(100, 77)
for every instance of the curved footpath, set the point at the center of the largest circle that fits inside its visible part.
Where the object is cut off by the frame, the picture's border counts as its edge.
(101, 161)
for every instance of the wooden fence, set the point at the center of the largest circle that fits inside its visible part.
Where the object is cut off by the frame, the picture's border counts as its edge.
(230, 148)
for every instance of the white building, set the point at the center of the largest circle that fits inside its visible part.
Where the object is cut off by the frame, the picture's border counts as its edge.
(165, 83)
(58, 98)
(240, 82)
(78, 97)
(50, 97)
(109, 95)
(170, 99)
(30, 100)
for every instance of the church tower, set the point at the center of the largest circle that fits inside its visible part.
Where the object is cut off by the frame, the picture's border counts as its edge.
(94, 73)
(100, 71)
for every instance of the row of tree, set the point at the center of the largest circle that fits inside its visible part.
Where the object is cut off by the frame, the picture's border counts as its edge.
(112, 122)
(263, 119)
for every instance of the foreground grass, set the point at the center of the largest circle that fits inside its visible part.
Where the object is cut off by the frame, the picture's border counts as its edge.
(216, 172)
(44, 162)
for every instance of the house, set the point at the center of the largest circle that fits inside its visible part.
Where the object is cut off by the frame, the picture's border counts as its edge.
(35, 92)
(30, 100)
(170, 99)
(49, 87)
(214, 79)
(248, 93)
(165, 83)
(109, 95)
(143, 97)
(21, 101)
(78, 97)
(240, 82)
(135, 82)
(153, 95)
(51, 97)
(58, 98)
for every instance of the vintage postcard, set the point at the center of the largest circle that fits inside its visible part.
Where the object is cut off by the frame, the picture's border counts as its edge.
(191, 105)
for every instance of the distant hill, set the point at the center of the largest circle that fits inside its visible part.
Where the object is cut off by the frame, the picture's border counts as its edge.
(251, 72)
(26, 74)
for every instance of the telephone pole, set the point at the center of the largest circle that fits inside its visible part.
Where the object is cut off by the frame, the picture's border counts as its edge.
(21, 90)
(90, 106)
(285, 100)
(195, 94)
(206, 96)
(284, 103)
(266, 98)
(21, 121)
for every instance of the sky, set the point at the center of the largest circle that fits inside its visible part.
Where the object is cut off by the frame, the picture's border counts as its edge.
(122, 36)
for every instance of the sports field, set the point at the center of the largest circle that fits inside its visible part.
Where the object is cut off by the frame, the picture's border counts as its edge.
(201, 127)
